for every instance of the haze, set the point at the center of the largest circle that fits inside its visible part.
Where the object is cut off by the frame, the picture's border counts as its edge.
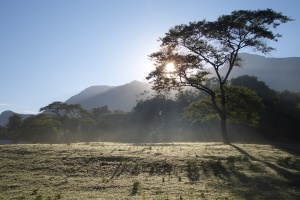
(51, 50)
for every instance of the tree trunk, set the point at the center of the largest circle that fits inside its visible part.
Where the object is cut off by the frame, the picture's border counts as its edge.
(223, 115)
(224, 130)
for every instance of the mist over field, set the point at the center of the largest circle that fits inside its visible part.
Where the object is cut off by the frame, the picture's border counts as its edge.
(151, 117)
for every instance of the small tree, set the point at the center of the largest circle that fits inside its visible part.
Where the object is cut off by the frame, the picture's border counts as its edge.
(193, 47)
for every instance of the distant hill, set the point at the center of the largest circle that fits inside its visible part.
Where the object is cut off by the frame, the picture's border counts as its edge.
(278, 73)
(4, 116)
(119, 97)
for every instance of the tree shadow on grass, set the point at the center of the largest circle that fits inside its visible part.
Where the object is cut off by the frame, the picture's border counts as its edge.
(293, 178)
(293, 149)
(264, 185)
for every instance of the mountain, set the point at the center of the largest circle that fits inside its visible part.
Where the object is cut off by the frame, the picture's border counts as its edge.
(4, 116)
(88, 93)
(122, 97)
(278, 73)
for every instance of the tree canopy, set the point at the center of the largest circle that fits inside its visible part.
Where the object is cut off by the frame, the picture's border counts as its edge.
(69, 116)
(244, 106)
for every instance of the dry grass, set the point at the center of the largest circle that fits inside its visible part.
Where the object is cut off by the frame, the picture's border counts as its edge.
(148, 171)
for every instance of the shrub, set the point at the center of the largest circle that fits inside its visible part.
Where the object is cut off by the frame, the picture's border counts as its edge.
(135, 188)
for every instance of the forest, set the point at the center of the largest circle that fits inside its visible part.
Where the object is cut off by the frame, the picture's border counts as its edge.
(164, 118)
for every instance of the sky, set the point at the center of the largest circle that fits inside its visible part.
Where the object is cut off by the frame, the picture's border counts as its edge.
(51, 50)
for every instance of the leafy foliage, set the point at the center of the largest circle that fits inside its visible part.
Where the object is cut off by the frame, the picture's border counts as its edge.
(243, 106)
(268, 95)
(281, 117)
(14, 125)
(3, 132)
(97, 112)
(40, 128)
(69, 116)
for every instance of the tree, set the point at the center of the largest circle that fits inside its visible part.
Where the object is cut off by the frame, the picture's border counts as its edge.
(244, 106)
(253, 83)
(69, 115)
(156, 116)
(39, 128)
(13, 126)
(280, 119)
(97, 112)
(194, 47)
(184, 98)
(3, 133)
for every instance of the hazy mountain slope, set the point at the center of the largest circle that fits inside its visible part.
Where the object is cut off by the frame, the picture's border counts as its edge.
(4, 116)
(88, 93)
(120, 97)
(278, 73)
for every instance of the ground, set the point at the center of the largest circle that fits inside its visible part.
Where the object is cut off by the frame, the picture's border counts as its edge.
(149, 171)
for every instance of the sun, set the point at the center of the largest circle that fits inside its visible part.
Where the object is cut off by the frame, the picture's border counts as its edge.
(170, 67)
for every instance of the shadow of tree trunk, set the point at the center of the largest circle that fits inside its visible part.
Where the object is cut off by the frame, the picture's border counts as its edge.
(293, 178)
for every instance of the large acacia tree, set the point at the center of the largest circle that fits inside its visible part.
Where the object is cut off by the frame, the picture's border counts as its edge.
(68, 115)
(198, 45)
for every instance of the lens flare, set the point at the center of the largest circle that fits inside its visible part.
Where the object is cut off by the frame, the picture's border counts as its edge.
(170, 67)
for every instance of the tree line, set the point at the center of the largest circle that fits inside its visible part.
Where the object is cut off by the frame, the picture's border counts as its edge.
(164, 118)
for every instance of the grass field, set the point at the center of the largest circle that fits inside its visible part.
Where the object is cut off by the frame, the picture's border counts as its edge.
(148, 171)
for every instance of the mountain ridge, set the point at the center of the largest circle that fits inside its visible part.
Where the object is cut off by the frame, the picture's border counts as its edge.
(88, 92)
(121, 97)
(5, 115)
(278, 73)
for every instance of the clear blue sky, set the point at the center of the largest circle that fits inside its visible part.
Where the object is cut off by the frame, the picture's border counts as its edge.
(51, 50)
